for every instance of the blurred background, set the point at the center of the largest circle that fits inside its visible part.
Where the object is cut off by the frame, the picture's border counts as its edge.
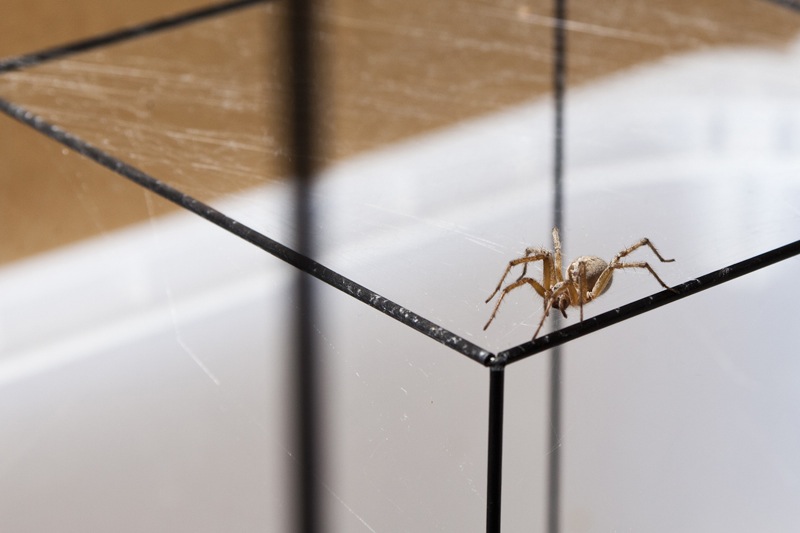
(143, 351)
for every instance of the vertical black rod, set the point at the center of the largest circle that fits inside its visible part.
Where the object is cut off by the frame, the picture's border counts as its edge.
(559, 89)
(494, 478)
(306, 380)
(554, 447)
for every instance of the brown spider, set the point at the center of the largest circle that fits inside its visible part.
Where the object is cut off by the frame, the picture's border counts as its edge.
(586, 278)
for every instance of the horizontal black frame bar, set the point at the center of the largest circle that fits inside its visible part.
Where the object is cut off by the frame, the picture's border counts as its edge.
(646, 304)
(286, 254)
(124, 34)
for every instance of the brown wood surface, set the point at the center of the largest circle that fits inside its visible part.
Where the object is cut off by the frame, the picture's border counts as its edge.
(201, 106)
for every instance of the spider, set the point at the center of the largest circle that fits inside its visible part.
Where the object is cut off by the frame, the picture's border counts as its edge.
(586, 278)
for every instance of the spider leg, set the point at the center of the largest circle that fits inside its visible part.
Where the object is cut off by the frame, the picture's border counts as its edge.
(581, 285)
(605, 277)
(642, 264)
(643, 242)
(556, 271)
(524, 281)
(559, 270)
(552, 297)
(547, 307)
(547, 262)
(531, 255)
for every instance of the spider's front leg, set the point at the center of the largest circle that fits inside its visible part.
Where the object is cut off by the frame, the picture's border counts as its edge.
(531, 255)
(545, 314)
(519, 283)
(581, 285)
(554, 296)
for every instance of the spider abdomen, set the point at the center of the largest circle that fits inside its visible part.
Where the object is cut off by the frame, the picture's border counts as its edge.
(594, 267)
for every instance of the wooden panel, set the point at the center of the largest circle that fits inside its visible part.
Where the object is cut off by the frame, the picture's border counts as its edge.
(202, 106)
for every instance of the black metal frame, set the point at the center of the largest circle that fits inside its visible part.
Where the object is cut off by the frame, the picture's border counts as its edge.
(556, 369)
(303, 141)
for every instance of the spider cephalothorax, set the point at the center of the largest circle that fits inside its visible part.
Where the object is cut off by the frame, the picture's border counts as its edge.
(586, 278)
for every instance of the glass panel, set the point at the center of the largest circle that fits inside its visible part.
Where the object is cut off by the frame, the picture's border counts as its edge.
(140, 343)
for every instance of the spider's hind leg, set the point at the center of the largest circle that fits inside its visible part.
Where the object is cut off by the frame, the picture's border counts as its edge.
(643, 242)
(616, 264)
(645, 265)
